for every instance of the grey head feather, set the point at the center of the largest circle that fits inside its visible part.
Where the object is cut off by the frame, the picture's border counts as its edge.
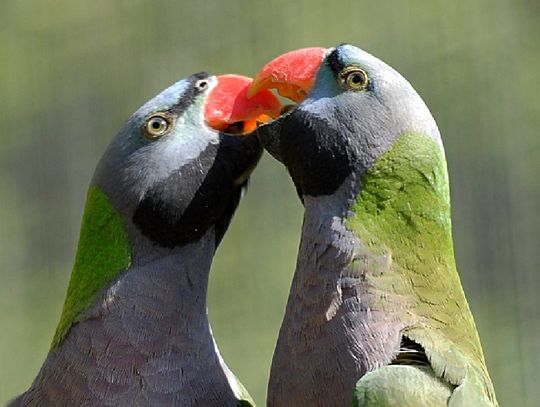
(333, 124)
(192, 167)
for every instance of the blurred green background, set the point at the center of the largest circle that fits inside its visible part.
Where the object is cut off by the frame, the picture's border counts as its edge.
(72, 71)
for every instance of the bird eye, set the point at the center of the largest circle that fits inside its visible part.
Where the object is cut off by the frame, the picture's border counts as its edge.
(353, 78)
(157, 126)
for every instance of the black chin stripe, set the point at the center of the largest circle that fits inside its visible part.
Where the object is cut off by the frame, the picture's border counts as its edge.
(198, 196)
(317, 156)
(186, 99)
(180, 209)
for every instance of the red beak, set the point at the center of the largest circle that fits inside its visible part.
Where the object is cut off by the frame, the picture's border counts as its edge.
(227, 105)
(292, 74)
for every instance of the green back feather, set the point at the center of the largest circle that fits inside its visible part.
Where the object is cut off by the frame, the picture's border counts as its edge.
(102, 253)
(403, 216)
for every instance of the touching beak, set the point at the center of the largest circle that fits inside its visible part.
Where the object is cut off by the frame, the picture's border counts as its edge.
(291, 74)
(228, 108)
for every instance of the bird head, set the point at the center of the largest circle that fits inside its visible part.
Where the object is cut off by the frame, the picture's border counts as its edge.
(180, 163)
(350, 108)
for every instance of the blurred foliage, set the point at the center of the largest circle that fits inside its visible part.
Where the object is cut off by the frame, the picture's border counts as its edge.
(71, 72)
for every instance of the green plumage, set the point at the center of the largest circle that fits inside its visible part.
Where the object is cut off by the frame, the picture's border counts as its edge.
(403, 386)
(102, 253)
(403, 217)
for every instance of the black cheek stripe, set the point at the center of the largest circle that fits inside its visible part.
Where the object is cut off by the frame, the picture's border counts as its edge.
(317, 156)
(181, 209)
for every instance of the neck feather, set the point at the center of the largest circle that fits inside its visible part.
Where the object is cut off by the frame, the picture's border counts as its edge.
(403, 217)
(403, 210)
(367, 251)
(147, 335)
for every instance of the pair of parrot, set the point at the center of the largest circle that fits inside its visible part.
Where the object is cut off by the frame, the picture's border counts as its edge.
(376, 314)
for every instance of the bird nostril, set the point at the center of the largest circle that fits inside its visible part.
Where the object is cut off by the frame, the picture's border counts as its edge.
(202, 84)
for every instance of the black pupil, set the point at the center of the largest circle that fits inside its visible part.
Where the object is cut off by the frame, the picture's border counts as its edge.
(156, 124)
(357, 78)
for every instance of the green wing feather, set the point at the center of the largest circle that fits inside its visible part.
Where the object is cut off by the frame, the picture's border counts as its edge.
(103, 252)
(401, 386)
(403, 216)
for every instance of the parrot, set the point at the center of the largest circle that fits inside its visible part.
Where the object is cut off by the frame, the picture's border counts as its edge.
(376, 314)
(134, 328)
